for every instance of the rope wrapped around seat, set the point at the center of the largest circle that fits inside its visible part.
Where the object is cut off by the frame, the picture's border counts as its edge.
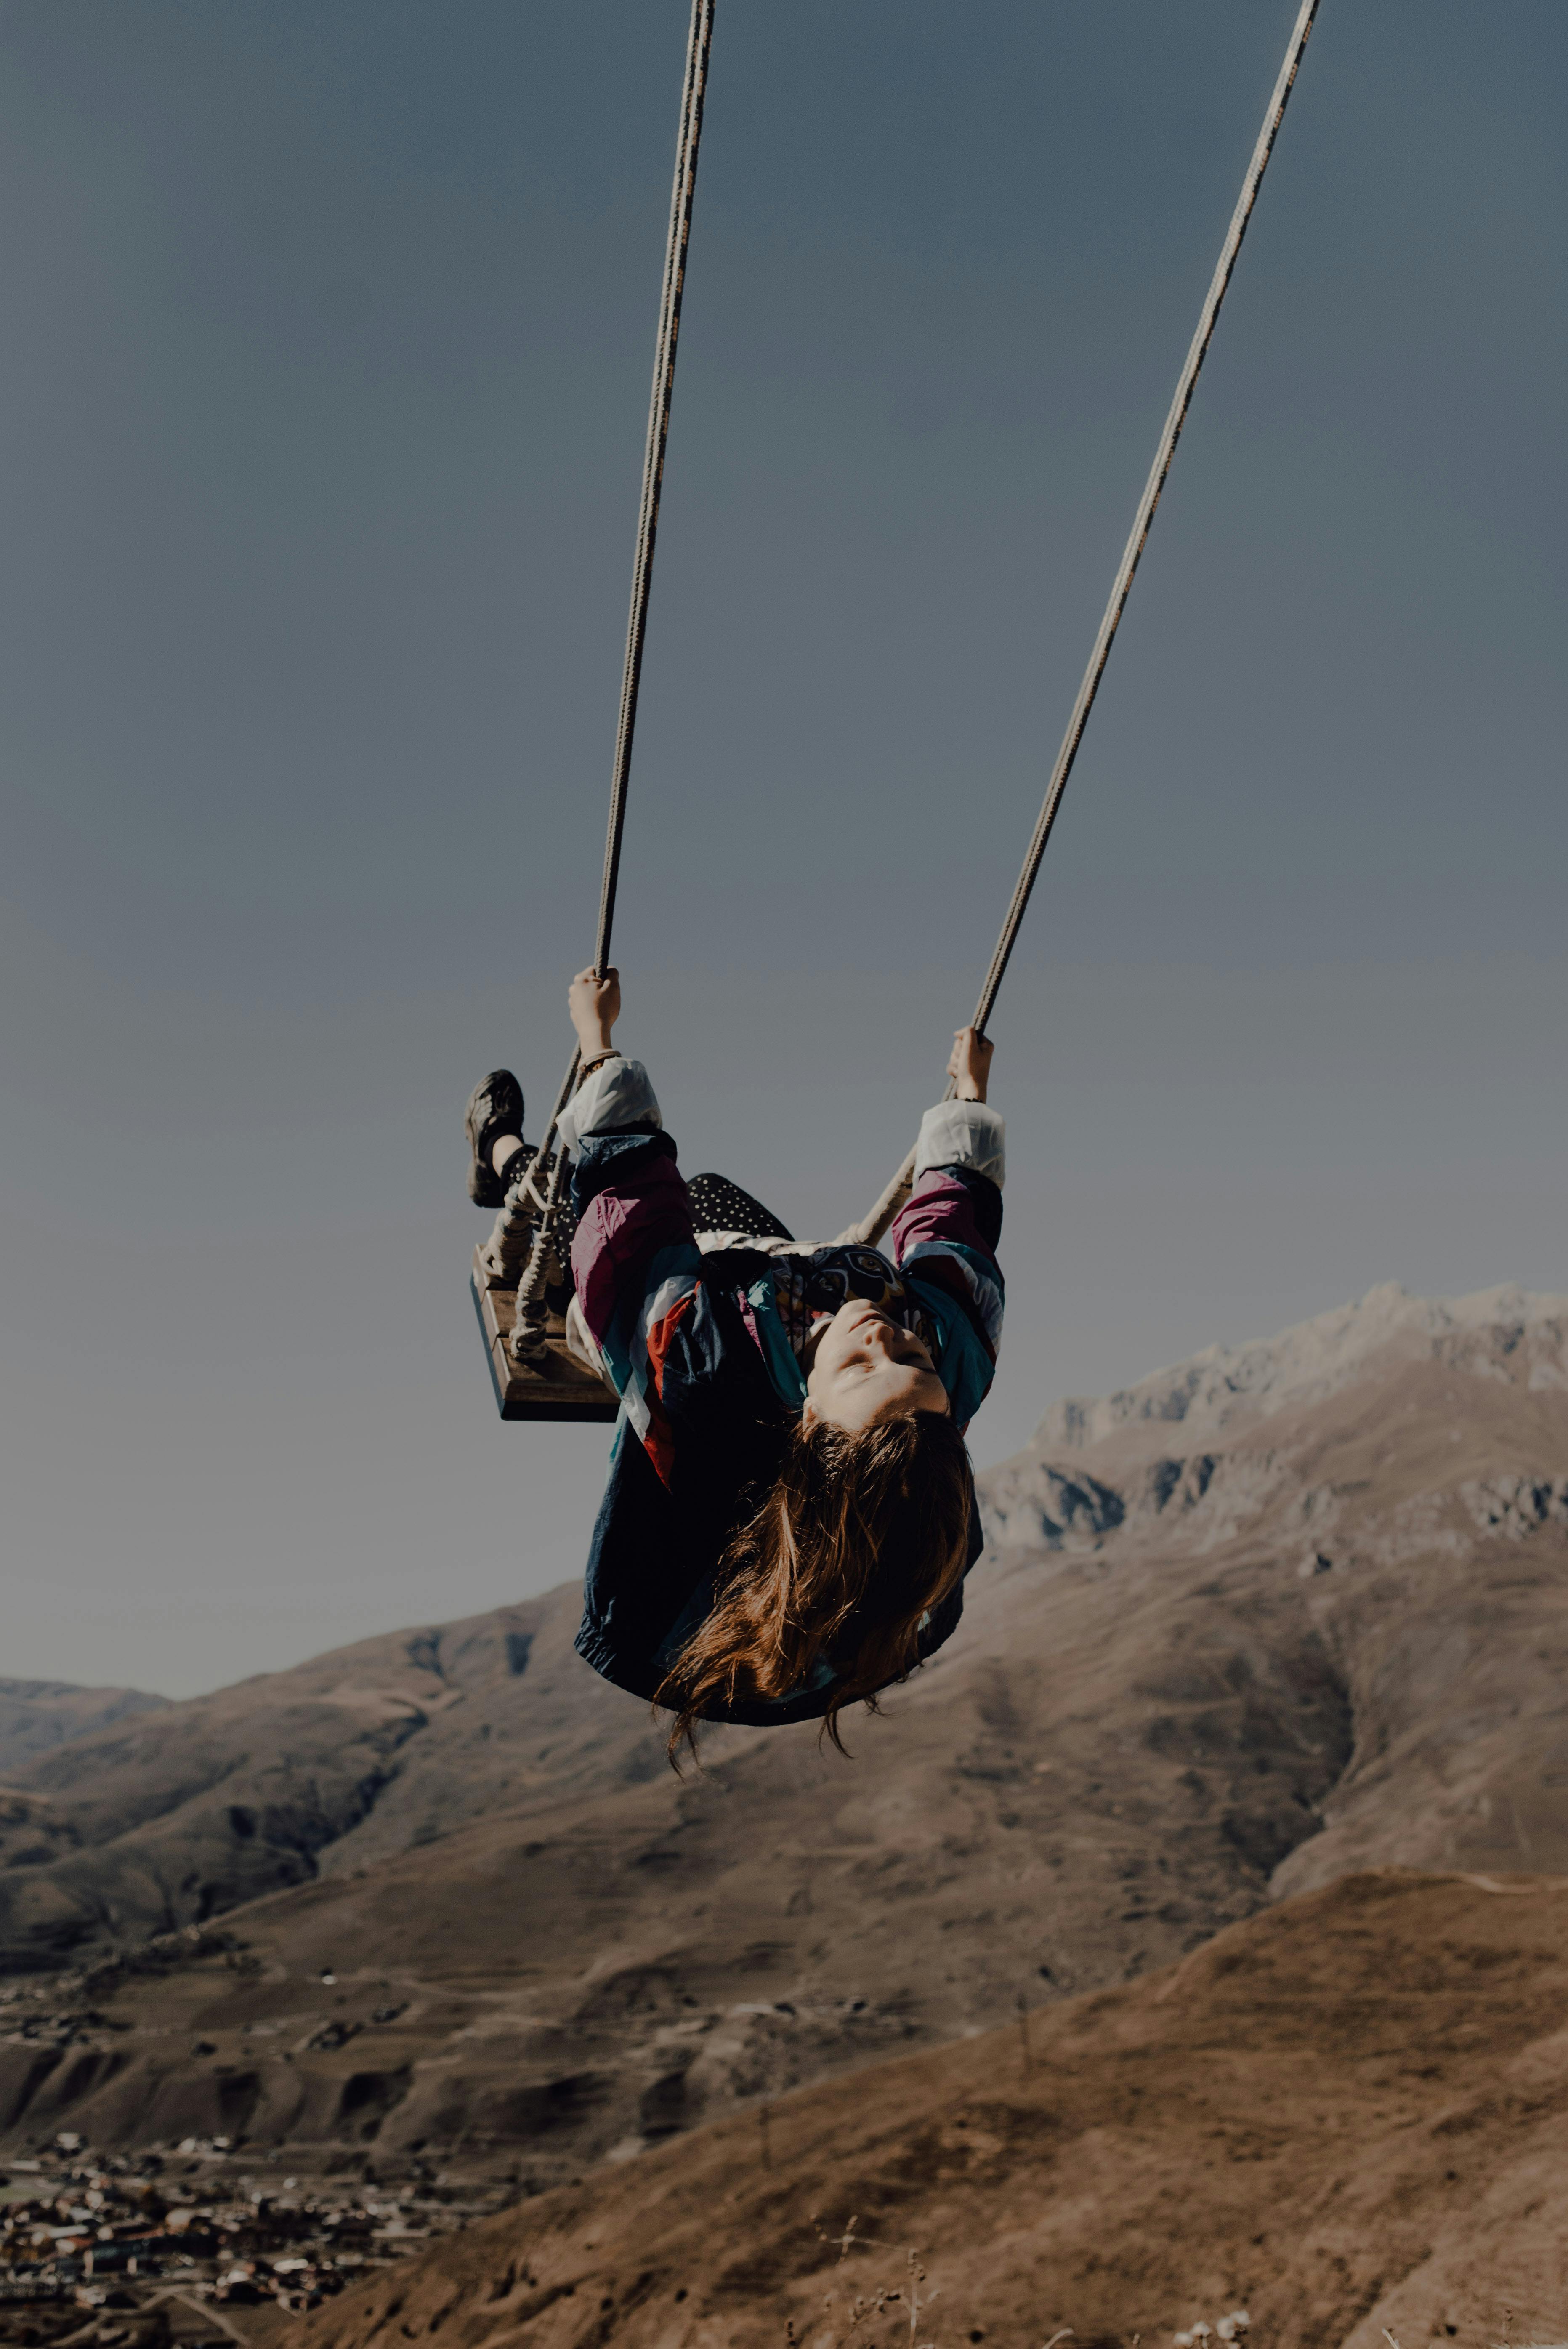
(506, 1252)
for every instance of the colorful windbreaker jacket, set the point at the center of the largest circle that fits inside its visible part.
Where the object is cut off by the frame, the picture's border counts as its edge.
(705, 1348)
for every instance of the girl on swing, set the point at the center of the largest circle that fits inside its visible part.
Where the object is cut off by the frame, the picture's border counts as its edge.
(790, 1510)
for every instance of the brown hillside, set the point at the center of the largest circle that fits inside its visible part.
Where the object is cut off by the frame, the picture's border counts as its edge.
(1349, 2113)
(1285, 1610)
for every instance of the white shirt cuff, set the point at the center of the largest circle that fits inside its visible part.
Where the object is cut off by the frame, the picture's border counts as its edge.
(962, 1134)
(617, 1094)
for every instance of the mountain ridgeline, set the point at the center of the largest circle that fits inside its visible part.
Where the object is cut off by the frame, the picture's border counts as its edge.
(1286, 1610)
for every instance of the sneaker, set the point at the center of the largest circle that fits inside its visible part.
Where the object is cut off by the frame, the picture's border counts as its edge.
(495, 1107)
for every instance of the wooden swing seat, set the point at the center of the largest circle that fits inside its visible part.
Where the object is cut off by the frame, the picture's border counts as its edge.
(566, 1391)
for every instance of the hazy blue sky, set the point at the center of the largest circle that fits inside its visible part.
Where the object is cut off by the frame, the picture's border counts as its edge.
(328, 327)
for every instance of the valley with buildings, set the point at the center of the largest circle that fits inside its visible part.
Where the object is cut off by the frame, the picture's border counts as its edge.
(411, 1988)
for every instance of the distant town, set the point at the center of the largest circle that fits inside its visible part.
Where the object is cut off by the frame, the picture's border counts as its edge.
(172, 2243)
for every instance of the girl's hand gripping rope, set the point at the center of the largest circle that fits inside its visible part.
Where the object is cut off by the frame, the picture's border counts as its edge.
(969, 1063)
(594, 1004)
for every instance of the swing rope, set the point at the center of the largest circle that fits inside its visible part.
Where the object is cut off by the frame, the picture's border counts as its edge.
(528, 1338)
(528, 1333)
(871, 1230)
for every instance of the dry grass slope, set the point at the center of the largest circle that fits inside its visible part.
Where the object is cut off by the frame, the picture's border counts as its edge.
(1347, 2114)
(1282, 1611)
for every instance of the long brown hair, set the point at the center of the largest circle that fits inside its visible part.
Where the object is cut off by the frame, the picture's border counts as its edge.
(860, 1534)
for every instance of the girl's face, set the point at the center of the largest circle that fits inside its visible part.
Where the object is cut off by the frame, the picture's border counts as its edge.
(866, 1368)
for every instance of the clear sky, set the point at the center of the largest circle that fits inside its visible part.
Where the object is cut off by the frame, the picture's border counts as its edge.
(328, 329)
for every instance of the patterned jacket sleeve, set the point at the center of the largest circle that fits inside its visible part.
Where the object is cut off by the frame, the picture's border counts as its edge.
(945, 1241)
(634, 1261)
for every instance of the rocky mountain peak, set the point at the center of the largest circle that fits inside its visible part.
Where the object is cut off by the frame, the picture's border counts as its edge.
(1505, 1332)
